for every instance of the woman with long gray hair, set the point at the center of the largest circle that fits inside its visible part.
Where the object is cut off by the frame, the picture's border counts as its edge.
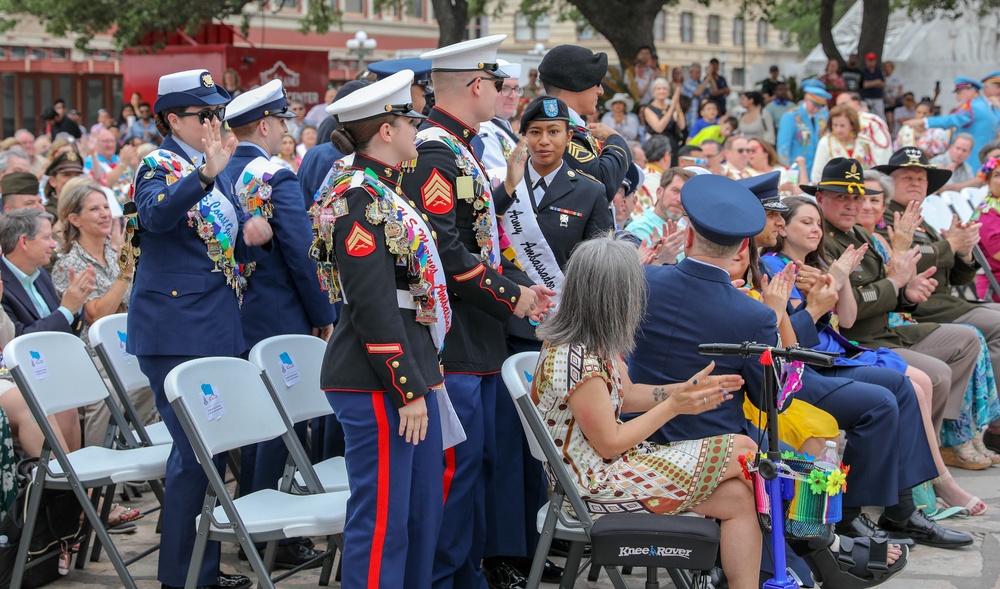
(581, 387)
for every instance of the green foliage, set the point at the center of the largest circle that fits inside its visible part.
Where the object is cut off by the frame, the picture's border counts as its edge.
(801, 19)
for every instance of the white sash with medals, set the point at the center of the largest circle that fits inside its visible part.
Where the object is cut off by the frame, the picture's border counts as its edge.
(253, 189)
(412, 235)
(214, 218)
(520, 224)
(471, 175)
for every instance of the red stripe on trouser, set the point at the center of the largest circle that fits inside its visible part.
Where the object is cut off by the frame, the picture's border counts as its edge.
(449, 470)
(382, 501)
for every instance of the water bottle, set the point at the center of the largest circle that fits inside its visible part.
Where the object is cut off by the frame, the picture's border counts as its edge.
(829, 459)
(3, 541)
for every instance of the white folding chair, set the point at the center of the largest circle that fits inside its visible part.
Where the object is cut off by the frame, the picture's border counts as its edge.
(634, 529)
(936, 212)
(960, 204)
(222, 404)
(291, 366)
(55, 373)
(976, 196)
(108, 336)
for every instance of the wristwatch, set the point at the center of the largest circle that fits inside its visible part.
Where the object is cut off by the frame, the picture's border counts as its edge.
(206, 180)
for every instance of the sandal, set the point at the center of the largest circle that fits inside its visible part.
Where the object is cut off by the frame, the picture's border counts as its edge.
(120, 515)
(965, 456)
(980, 446)
(975, 506)
(858, 563)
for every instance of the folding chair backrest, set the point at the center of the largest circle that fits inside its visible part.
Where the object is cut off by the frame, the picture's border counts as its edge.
(107, 337)
(936, 212)
(976, 196)
(292, 365)
(517, 371)
(57, 369)
(225, 402)
(960, 205)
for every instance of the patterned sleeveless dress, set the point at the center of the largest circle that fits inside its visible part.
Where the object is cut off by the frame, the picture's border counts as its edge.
(649, 478)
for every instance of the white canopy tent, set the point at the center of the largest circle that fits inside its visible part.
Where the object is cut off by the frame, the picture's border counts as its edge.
(923, 51)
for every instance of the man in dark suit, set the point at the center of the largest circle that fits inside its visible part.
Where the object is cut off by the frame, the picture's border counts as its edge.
(283, 293)
(29, 297)
(548, 208)
(574, 74)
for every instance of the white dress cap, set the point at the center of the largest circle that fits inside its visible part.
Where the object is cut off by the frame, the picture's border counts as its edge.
(468, 56)
(513, 70)
(262, 101)
(388, 96)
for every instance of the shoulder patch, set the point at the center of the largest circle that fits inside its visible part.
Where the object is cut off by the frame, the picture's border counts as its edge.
(360, 242)
(437, 194)
(579, 153)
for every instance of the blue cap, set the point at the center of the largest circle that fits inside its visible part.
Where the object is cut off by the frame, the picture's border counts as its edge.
(813, 83)
(993, 78)
(765, 188)
(189, 88)
(816, 93)
(421, 69)
(253, 105)
(961, 83)
(722, 210)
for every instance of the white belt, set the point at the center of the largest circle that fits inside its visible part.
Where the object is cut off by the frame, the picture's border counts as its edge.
(405, 301)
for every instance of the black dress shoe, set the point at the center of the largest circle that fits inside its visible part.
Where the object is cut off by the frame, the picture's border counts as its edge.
(289, 556)
(926, 531)
(863, 527)
(223, 582)
(551, 572)
(505, 576)
(992, 440)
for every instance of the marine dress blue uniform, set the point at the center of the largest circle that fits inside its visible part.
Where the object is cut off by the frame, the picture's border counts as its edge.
(375, 249)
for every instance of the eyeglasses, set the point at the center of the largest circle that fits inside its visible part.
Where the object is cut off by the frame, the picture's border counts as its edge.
(497, 82)
(206, 114)
(744, 150)
(507, 91)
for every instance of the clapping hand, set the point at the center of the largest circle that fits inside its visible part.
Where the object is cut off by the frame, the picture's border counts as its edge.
(841, 269)
(962, 236)
(903, 267)
(776, 291)
(515, 166)
(922, 286)
(903, 227)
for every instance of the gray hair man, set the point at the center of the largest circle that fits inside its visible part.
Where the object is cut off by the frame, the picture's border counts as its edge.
(956, 159)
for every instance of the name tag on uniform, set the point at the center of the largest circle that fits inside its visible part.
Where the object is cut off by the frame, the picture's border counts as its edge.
(464, 187)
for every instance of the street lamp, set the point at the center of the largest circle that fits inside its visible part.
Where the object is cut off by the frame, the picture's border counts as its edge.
(539, 49)
(362, 46)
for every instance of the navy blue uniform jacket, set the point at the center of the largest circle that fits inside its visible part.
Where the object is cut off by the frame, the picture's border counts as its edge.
(283, 295)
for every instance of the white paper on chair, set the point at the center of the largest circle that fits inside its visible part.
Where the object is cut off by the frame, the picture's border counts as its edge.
(452, 432)
(38, 366)
(122, 341)
(289, 371)
(212, 400)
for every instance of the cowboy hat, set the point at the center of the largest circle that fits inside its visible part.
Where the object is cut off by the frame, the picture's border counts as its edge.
(912, 157)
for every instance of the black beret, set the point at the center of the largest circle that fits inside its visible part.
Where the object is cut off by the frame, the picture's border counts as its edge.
(573, 68)
(19, 183)
(544, 108)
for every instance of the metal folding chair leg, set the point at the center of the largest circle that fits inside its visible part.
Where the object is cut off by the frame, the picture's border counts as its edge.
(572, 567)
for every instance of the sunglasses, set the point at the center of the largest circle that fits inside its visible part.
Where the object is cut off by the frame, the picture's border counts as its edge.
(744, 150)
(754, 149)
(497, 82)
(206, 114)
(507, 91)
